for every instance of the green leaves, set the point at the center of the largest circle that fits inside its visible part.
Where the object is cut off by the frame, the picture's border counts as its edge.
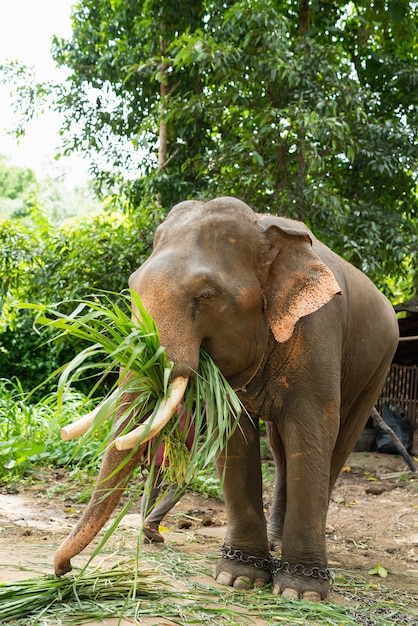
(379, 570)
(300, 109)
(123, 340)
(29, 431)
(43, 263)
(114, 341)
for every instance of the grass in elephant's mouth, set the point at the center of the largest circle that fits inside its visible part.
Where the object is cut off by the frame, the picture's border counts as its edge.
(122, 337)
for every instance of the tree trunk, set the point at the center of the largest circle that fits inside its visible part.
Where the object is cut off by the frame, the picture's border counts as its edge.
(303, 18)
(301, 166)
(164, 92)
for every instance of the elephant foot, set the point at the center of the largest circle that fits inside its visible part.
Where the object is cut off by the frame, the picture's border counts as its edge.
(300, 582)
(242, 571)
(240, 575)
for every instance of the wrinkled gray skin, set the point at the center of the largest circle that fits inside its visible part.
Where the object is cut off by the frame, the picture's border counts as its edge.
(304, 337)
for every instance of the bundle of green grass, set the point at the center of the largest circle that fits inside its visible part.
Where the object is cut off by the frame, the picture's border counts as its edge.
(93, 593)
(123, 338)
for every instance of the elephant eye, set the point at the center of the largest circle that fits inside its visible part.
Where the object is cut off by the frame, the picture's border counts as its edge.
(206, 295)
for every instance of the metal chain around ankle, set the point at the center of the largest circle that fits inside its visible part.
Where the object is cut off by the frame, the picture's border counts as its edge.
(302, 570)
(236, 555)
(273, 565)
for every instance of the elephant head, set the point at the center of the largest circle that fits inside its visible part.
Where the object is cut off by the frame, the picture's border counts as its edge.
(220, 277)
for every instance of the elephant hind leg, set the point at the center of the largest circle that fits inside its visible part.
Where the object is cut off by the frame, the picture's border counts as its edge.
(353, 421)
(277, 510)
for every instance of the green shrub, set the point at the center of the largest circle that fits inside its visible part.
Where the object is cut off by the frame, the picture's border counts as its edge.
(29, 432)
(40, 264)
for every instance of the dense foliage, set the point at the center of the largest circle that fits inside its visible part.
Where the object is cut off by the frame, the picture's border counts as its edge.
(300, 107)
(29, 432)
(14, 181)
(42, 264)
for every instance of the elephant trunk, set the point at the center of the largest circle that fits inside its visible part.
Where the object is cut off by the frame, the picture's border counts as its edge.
(117, 466)
(106, 495)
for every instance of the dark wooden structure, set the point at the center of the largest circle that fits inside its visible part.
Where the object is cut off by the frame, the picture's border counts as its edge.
(400, 391)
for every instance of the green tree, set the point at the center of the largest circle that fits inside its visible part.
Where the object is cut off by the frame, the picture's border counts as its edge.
(17, 184)
(122, 80)
(14, 181)
(303, 107)
(307, 125)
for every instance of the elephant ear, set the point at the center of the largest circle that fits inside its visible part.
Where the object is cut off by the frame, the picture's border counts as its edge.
(296, 282)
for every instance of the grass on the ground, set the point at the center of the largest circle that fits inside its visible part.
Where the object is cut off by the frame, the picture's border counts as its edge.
(153, 591)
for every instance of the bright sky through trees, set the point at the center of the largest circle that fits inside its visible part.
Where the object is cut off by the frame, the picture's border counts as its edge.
(26, 31)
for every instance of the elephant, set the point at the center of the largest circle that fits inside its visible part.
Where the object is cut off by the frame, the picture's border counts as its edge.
(303, 337)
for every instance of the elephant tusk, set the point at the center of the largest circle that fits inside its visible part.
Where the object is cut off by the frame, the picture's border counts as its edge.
(149, 429)
(82, 425)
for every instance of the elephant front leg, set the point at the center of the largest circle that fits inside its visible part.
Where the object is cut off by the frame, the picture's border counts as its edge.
(302, 571)
(245, 558)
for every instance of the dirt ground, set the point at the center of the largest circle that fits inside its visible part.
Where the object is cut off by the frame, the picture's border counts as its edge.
(373, 519)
